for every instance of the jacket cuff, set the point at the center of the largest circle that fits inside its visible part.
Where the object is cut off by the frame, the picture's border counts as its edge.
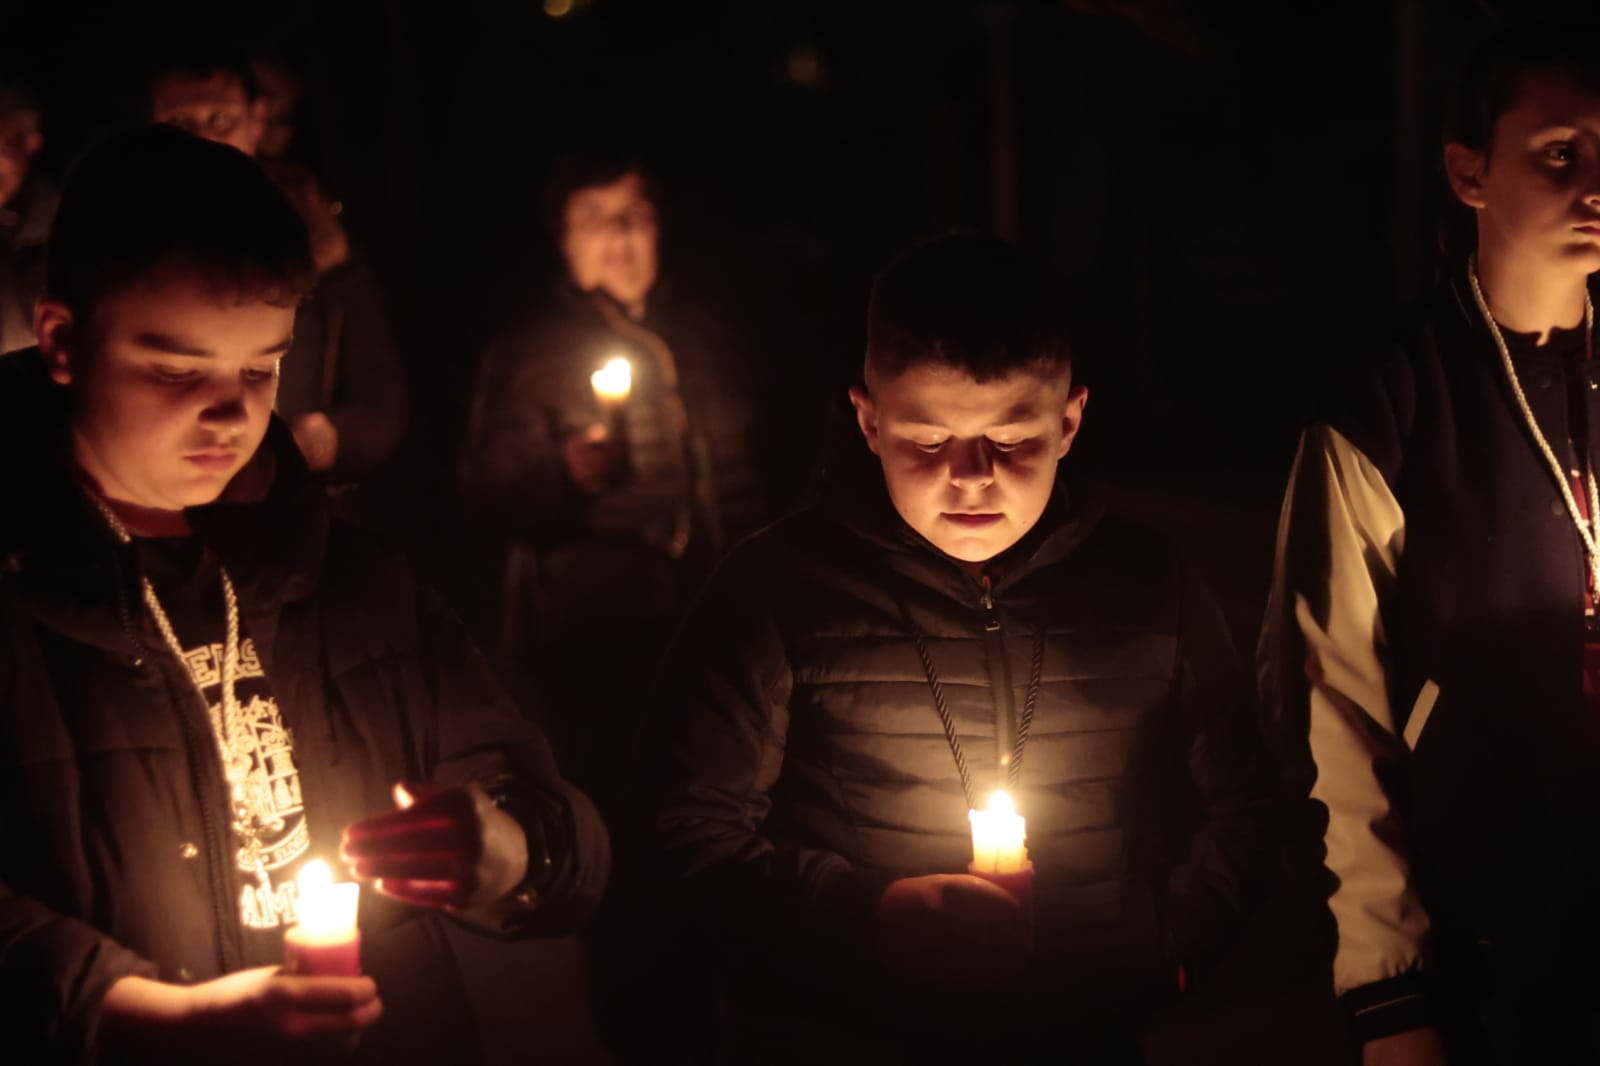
(1384, 1008)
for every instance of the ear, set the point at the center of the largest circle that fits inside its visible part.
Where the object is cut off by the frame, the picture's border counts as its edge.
(1466, 167)
(1072, 417)
(32, 143)
(53, 325)
(866, 416)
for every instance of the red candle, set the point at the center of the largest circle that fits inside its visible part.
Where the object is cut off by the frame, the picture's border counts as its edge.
(325, 941)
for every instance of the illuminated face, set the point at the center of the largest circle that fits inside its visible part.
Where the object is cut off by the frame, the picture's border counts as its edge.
(970, 466)
(213, 107)
(1537, 191)
(177, 392)
(611, 240)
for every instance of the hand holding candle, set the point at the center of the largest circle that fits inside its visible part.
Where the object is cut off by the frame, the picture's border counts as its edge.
(325, 941)
(444, 847)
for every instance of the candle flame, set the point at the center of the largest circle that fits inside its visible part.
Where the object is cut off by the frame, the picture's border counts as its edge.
(1000, 803)
(614, 380)
(314, 876)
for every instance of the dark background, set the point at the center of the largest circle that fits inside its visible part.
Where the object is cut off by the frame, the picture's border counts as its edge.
(1236, 196)
(1233, 193)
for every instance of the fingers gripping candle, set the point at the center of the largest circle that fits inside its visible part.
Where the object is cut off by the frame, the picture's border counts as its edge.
(999, 847)
(325, 942)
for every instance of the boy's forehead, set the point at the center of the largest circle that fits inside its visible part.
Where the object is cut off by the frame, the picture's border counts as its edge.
(941, 395)
(622, 192)
(1546, 99)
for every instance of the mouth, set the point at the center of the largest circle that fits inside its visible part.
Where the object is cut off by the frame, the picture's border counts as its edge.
(1591, 229)
(215, 461)
(972, 519)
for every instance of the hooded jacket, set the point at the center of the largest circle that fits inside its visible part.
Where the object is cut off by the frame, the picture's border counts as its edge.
(797, 763)
(115, 851)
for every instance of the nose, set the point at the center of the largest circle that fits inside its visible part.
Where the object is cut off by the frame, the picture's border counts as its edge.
(225, 407)
(971, 466)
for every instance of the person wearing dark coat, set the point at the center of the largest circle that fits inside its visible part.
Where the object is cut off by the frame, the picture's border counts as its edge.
(954, 616)
(343, 389)
(207, 681)
(601, 517)
(1430, 661)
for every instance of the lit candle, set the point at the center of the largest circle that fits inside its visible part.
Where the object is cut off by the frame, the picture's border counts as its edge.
(325, 942)
(998, 838)
(613, 382)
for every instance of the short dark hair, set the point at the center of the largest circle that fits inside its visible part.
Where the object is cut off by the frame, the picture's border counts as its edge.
(1488, 85)
(157, 197)
(199, 60)
(1493, 75)
(974, 302)
(586, 168)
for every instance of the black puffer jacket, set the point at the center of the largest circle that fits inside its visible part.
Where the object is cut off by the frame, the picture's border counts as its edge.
(115, 855)
(797, 762)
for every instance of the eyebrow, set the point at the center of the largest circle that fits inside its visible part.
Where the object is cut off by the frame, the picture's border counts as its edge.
(1021, 414)
(168, 345)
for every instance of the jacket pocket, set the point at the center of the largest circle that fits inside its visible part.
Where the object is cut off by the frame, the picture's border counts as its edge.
(1421, 711)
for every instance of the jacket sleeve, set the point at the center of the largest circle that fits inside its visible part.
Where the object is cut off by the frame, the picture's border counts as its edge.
(481, 737)
(511, 466)
(713, 752)
(1208, 896)
(56, 972)
(1325, 666)
(370, 404)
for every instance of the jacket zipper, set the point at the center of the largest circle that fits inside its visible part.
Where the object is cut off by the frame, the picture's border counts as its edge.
(230, 952)
(202, 752)
(999, 667)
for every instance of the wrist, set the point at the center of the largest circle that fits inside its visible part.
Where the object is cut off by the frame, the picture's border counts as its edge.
(138, 1008)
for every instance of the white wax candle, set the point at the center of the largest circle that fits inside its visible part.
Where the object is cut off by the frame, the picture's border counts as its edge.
(326, 912)
(613, 382)
(998, 837)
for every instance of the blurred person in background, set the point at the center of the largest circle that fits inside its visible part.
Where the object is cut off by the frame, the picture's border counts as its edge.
(607, 499)
(344, 388)
(27, 205)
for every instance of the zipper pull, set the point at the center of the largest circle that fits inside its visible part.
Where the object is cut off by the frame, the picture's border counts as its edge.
(991, 621)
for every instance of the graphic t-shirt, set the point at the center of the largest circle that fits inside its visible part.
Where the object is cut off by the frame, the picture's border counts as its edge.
(188, 583)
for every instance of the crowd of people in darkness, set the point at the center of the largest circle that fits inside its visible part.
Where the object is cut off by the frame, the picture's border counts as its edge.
(941, 759)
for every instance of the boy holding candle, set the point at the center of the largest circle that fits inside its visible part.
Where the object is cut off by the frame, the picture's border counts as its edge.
(1431, 655)
(608, 458)
(956, 616)
(206, 681)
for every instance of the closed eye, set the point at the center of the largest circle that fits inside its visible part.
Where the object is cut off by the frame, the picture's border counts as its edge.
(174, 376)
(261, 375)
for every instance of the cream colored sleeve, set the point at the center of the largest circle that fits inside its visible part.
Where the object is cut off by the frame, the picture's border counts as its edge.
(1340, 539)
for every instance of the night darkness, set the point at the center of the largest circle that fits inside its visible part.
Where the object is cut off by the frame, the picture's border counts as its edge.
(1232, 196)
